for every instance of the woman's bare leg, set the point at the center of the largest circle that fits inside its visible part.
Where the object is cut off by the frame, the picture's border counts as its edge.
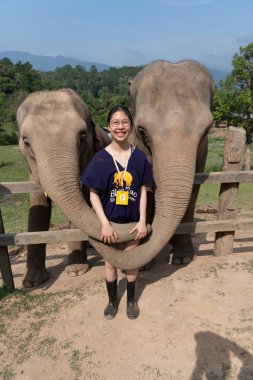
(132, 274)
(110, 272)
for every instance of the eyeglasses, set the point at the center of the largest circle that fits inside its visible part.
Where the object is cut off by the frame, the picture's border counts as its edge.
(116, 123)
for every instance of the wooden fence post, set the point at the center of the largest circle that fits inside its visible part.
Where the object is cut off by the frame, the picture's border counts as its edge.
(247, 157)
(5, 265)
(233, 154)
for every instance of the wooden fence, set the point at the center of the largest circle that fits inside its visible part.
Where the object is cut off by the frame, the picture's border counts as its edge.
(224, 227)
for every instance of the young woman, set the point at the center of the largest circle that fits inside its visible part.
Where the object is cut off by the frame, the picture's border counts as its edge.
(117, 177)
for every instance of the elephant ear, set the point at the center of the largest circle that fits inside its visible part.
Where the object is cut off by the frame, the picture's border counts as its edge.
(101, 138)
(96, 143)
(21, 114)
(22, 111)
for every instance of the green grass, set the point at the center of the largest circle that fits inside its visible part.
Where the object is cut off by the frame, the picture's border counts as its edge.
(215, 153)
(14, 168)
(214, 160)
(26, 329)
(209, 194)
(4, 292)
(39, 306)
(35, 311)
(15, 213)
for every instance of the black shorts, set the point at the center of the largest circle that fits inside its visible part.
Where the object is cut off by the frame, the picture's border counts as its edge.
(123, 220)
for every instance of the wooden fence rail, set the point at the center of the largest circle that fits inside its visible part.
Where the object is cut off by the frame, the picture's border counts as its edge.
(24, 238)
(200, 179)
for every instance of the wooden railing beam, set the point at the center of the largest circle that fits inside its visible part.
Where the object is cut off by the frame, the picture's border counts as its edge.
(40, 237)
(58, 236)
(200, 178)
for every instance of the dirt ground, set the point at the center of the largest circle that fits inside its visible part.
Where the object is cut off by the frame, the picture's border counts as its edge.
(196, 321)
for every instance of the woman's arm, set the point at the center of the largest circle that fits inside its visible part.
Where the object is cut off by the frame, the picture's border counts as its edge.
(143, 203)
(109, 234)
(141, 226)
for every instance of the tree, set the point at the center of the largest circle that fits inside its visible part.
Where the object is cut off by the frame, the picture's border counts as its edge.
(7, 76)
(27, 78)
(223, 102)
(233, 100)
(242, 80)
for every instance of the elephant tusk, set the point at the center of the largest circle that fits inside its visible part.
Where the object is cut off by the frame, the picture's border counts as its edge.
(45, 194)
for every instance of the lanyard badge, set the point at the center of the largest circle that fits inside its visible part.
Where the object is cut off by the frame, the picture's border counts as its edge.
(122, 195)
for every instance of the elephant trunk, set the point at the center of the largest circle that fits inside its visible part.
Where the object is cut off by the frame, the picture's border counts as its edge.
(60, 180)
(174, 175)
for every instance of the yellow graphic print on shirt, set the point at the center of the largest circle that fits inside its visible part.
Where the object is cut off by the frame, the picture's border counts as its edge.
(121, 177)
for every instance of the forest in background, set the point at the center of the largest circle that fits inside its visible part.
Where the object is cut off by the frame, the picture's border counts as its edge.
(100, 90)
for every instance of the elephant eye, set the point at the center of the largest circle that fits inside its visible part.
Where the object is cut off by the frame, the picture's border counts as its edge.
(26, 142)
(143, 135)
(82, 138)
(29, 148)
(145, 139)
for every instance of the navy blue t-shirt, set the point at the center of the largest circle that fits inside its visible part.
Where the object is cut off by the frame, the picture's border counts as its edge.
(102, 175)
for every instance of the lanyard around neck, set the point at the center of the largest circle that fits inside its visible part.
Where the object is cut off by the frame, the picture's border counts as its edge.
(117, 167)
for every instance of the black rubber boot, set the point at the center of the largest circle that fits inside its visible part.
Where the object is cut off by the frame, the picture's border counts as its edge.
(112, 307)
(132, 307)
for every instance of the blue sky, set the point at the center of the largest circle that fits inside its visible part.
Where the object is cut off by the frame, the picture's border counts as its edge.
(128, 32)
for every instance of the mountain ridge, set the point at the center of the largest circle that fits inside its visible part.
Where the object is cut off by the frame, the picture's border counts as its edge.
(50, 63)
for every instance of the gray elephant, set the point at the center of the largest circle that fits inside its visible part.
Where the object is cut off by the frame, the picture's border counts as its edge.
(58, 138)
(171, 111)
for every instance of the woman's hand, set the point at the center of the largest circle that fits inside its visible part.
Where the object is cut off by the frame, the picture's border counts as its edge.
(109, 235)
(141, 229)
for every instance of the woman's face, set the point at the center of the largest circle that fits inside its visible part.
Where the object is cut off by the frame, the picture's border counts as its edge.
(120, 126)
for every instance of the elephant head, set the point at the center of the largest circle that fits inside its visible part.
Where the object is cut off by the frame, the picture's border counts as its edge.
(58, 138)
(171, 111)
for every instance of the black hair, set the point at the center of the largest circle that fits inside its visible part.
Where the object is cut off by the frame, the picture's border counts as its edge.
(122, 108)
